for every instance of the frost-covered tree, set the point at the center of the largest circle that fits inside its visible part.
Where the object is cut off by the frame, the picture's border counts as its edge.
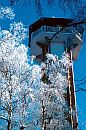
(13, 62)
(6, 12)
(18, 79)
(29, 99)
(53, 103)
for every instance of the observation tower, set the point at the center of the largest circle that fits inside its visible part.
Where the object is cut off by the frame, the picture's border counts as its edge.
(56, 35)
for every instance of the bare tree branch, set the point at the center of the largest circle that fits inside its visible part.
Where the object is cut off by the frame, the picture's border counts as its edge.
(80, 89)
(81, 83)
(69, 25)
(4, 118)
(81, 79)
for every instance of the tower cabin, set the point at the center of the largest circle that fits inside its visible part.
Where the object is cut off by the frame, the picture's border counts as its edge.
(56, 35)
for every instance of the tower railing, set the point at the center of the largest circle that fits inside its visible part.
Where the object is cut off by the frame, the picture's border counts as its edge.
(50, 29)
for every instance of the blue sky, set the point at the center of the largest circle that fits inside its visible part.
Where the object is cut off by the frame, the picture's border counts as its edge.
(27, 14)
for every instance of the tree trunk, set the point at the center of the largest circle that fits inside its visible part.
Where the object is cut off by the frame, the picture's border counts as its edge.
(10, 112)
(9, 125)
(10, 119)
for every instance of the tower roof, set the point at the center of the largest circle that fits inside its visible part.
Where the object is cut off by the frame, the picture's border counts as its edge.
(49, 22)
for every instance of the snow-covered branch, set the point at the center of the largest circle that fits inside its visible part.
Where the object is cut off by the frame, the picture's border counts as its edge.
(6, 12)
